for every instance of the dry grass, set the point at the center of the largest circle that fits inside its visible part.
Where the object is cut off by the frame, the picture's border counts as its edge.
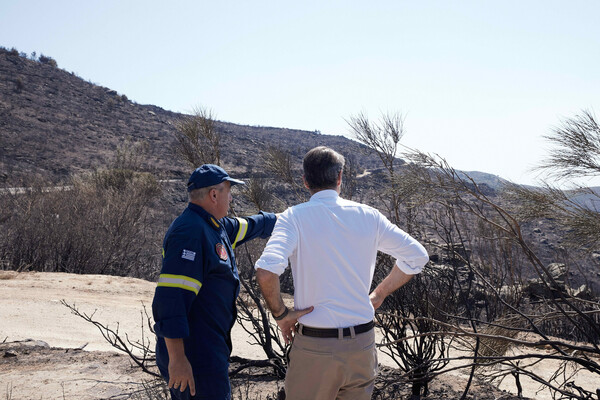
(6, 275)
(493, 347)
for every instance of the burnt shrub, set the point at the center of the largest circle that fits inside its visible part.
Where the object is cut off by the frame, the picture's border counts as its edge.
(19, 85)
(47, 60)
(98, 224)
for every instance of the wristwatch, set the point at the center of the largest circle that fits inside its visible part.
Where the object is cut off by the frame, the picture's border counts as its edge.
(282, 316)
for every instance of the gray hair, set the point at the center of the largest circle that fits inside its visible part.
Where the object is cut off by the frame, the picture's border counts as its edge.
(197, 195)
(322, 167)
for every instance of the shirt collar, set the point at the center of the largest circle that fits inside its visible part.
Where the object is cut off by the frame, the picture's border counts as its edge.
(212, 221)
(325, 194)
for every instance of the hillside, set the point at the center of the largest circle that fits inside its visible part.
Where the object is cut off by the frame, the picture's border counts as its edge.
(54, 123)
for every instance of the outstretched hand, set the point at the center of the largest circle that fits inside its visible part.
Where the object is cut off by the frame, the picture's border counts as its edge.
(288, 324)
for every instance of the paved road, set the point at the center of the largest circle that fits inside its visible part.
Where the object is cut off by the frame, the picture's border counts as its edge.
(23, 190)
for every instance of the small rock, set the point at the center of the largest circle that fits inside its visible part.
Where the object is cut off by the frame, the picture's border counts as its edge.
(583, 292)
(9, 354)
(558, 271)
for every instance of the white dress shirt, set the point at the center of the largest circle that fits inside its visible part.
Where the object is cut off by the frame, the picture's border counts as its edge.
(332, 245)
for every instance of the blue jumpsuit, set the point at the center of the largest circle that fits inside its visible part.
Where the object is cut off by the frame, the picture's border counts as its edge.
(196, 292)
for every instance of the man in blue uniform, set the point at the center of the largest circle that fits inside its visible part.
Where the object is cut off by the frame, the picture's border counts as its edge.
(194, 303)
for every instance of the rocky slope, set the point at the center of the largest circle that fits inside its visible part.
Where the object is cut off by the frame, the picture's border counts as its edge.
(54, 124)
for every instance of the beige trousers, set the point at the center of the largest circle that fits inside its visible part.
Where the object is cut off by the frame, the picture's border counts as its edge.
(332, 368)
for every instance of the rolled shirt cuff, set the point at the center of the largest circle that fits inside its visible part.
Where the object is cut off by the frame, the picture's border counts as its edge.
(272, 263)
(172, 328)
(411, 268)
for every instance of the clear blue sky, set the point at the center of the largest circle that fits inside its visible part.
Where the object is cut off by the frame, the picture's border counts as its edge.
(479, 82)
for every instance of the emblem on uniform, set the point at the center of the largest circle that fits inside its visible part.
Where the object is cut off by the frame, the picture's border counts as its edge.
(187, 255)
(221, 251)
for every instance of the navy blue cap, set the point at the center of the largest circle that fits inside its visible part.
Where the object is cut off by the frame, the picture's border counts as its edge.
(209, 175)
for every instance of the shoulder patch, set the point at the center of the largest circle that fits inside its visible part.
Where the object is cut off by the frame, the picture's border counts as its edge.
(221, 251)
(188, 255)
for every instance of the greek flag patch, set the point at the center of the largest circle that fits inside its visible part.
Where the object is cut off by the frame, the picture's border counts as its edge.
(188, 255)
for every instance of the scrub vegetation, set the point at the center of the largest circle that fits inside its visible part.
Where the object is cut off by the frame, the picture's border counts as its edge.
(97, 223)
(477, 299)
(513, 273)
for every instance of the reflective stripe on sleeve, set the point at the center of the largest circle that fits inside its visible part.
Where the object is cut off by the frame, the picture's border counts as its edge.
(179, 281)
(241, 231)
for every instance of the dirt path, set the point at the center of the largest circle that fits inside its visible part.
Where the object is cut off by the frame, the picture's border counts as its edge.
(39, 358)
(66, 357)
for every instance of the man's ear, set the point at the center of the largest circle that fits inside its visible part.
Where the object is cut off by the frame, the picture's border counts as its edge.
(305, 183)
(339, 179)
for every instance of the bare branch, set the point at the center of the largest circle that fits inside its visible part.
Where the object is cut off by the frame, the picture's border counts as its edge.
(577, 152)
(145, 362)
(197, 140)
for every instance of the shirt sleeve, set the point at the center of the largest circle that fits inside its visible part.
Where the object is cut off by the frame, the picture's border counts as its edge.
(410, 255)
(280, 246)
(241, 230)
(178, 285)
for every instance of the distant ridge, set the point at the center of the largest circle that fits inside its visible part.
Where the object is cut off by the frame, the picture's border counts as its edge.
(55, 124)
(493, 181)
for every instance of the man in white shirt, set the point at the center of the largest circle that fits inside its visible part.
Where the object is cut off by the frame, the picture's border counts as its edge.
(332, 245)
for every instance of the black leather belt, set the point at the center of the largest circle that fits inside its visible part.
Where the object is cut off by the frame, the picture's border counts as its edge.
(333, 332)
